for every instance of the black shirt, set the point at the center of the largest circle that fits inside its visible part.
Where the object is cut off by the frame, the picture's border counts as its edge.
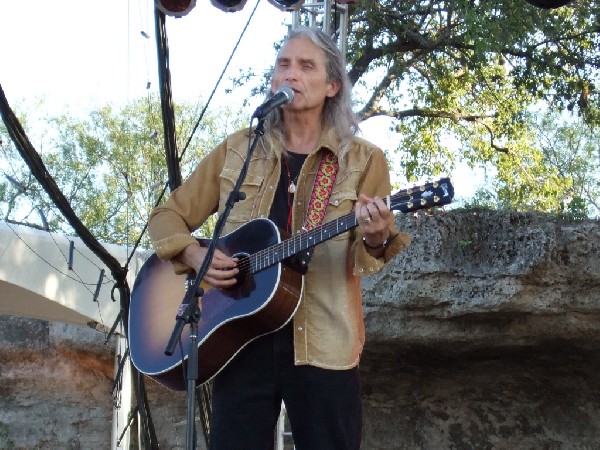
(281, 209)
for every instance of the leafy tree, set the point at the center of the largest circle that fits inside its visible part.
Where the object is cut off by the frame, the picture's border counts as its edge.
(463, 70)
(574, 150)
(567, 157)
(471, 71)
(22, 199)
(110, 165)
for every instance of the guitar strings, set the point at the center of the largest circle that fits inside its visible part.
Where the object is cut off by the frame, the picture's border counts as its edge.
(406, 199)
(276, 253)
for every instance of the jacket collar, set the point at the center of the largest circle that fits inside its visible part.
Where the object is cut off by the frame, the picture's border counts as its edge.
(329, 140)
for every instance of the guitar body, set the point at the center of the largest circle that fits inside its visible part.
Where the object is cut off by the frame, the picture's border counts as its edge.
(263, 302)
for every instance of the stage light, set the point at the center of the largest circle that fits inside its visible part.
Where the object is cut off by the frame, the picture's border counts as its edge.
(287, 5)
(175, 8)
(229, 5)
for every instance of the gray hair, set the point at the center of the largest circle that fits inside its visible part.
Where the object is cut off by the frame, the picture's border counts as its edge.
(337, 113)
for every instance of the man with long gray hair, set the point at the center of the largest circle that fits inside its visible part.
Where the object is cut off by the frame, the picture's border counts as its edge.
(309, 168)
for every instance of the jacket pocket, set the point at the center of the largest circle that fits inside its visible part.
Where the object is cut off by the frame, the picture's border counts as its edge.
(245, 209)
(341, 203)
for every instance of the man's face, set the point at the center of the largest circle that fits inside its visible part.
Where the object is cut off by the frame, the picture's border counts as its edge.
(301, 65)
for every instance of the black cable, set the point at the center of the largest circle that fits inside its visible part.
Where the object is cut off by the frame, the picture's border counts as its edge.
(148, 431)
(38, 169)
(187, 144)
(166, 100)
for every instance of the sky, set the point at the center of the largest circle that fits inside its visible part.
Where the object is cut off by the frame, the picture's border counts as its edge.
(76, 53)
(79, 54)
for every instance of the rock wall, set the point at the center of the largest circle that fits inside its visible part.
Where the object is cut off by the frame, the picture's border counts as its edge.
(484, 333)
(55, 386)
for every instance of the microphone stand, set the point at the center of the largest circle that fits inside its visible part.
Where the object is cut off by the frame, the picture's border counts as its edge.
(189, 311)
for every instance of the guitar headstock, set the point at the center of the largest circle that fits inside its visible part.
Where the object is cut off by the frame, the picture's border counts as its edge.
(427, 195)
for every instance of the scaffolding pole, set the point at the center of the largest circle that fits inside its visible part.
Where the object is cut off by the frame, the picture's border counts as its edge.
(330, 16)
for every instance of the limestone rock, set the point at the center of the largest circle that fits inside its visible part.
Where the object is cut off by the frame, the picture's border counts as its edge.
(480, 278)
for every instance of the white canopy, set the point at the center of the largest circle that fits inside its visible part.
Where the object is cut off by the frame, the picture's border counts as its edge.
(36, 281)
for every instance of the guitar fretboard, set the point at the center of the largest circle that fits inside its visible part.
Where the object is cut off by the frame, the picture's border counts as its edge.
(302, 241)
(430, 194)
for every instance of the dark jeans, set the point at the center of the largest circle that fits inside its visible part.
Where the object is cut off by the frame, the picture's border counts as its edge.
(323, 406)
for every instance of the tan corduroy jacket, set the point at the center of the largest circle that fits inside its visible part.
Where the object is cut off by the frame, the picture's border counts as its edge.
(328, 325)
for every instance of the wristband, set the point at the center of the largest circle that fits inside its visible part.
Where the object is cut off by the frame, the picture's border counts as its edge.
(384, 244)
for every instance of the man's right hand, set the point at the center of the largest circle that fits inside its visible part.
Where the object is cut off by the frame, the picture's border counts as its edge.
(222, 270)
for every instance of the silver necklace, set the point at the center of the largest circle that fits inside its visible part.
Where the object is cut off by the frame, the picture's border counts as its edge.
(292, 186)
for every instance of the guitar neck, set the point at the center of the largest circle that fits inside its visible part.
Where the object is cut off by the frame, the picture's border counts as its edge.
(300, 242)
(430, 194)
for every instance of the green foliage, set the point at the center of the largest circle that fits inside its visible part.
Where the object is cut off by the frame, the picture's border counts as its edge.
(558, 171)
(460, 79)
(470, 73)
(20, 194)
(111, 166)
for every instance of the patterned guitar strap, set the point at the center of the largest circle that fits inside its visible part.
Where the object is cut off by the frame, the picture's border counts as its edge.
(319, 199)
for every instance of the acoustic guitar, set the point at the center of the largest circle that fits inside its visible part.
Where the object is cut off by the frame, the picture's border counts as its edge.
(265, 298)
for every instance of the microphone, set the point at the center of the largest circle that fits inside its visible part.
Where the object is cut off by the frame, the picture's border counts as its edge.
(283, 96)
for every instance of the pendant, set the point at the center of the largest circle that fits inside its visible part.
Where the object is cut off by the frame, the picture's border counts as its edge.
(292, 188)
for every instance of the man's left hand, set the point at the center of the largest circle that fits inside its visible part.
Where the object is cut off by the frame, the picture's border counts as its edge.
(373, 216)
